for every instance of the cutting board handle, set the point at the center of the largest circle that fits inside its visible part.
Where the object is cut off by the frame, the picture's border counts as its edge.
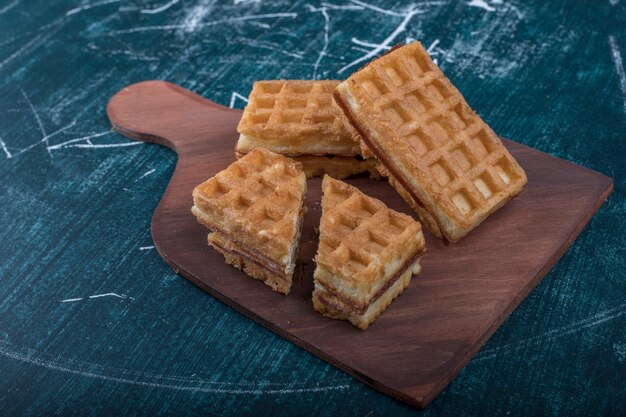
(164, 113)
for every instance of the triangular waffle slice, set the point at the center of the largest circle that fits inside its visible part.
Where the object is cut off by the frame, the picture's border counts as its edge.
(300, 119)
(441, 157)
(254, 210)
(366, 256)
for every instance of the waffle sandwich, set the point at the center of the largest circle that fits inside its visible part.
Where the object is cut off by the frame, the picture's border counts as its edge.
(440, 156)
(254, 209)
(366, 256)
(299, 119)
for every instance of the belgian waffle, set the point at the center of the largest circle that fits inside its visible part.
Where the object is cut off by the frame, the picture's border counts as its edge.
(441, 157)
(300, 119)
(254, 210)
(366, 256)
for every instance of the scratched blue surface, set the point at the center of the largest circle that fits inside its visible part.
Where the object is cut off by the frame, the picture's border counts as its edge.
(93, 322)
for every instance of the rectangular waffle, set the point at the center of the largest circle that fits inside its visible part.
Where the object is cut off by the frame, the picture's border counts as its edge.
(300, 119)
(441, 157)
(366, 256)
(254, 209)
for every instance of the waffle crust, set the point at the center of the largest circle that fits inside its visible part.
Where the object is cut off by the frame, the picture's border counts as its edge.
(255, 208)
(439, 155)
(256, 269)
(365, 249)
(332, 306)
(299, 118)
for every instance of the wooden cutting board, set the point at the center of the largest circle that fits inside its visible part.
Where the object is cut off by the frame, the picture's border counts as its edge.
(465, 290)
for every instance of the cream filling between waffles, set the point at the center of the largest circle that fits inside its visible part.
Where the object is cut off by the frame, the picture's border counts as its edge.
(344, 295)
(317, 145)
(227, 245)
(337, 302)
(401, 175)
(288, 261)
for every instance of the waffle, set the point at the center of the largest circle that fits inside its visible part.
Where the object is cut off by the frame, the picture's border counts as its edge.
(439, 155)
(300, 119)
(254, 210)
(366, 256)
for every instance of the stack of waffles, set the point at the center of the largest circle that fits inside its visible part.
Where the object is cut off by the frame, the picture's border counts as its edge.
(254, 210)
(299, 119)
(440, 156)
(366, 257)
(398, 116)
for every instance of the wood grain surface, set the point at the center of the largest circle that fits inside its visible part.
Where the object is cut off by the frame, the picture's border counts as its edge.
(448, 312)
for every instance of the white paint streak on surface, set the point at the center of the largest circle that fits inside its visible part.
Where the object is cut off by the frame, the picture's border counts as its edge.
(432, 46)
(9, 6)
(46, 138)
(5, 149)
(89, 6)
(131, 377)
(481, 4)
(356, 48)
(71, 300)
(376, 8)
(233, 98)
(81, 139)
(37, 118)
(207, 24)
(195, 16)
(592, 321)
(380, 47)
(147, 173)
(368, 44)
(261, 25)
(619, 67)
(34, 43)
(331, 6)
(110, 294)
(432, 51)
(103, 145)
(325, 47)
(160, 9)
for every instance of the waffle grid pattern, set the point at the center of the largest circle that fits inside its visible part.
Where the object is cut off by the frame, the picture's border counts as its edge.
(359, 230)
(441, 134)
(288, 108)
(258, 190)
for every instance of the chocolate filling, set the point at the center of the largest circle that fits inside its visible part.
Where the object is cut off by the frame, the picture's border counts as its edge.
(254, 258)
(326, 156)
(381, 157)
(377, 295)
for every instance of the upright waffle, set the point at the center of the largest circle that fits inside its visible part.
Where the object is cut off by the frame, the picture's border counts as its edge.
(254, 210)
(300, 119)
(366, 256)
(440, 156)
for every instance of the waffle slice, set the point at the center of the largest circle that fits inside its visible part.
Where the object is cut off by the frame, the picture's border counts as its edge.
(366, 256)
(440, 156)
(254, 210)
(300, 119)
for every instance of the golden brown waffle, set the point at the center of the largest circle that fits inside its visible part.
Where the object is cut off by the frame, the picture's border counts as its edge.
(365, 255)
(440, 155)
(299, 118)
(255, 208)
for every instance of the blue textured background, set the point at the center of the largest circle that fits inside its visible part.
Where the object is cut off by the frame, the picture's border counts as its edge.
(77, 200)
